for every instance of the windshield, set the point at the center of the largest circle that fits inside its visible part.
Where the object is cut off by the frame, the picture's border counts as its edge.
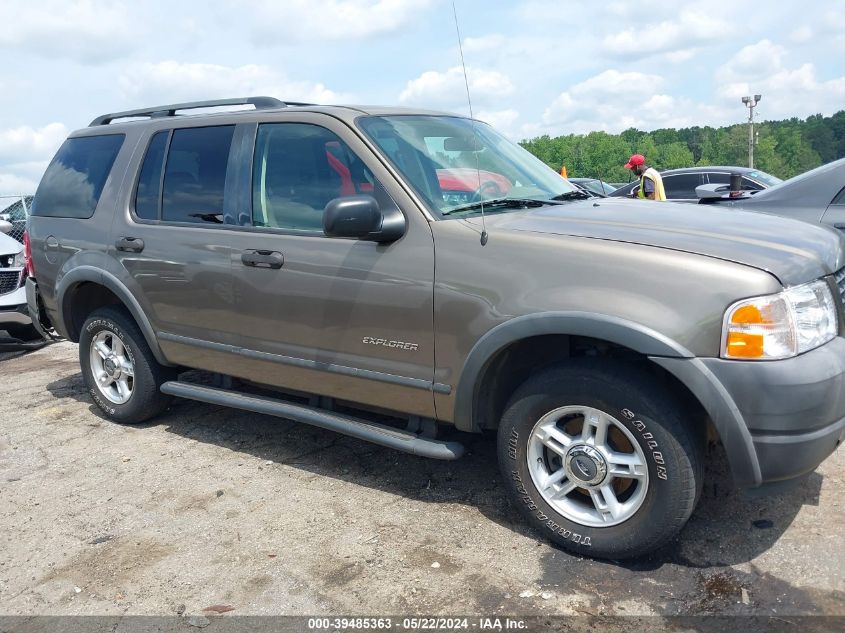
(763, 177)
(453, 162)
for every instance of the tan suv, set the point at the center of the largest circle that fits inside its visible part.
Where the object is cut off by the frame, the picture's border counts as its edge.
(336, 256)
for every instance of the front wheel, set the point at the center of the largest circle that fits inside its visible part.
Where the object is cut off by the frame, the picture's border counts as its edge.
(600, 458)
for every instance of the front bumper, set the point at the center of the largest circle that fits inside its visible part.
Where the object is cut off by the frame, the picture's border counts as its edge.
(778, 420)
(14, 315)
(794, 409)
(13, 309)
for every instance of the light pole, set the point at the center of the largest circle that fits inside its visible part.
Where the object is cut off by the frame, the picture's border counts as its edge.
(751, 103)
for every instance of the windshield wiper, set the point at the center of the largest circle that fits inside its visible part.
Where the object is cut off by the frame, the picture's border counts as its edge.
(497, 203)
(574, 195)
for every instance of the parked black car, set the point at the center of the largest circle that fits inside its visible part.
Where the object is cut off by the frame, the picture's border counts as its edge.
(680, 184)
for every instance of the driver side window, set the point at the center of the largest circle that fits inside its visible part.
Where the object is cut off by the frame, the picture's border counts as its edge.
(298, 168)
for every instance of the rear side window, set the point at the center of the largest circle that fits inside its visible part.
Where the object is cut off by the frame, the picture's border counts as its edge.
(148, 194)
(73, 182)
(681, 186)
(195, 174)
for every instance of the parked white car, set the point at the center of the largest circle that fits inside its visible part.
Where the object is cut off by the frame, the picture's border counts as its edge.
(14, 315)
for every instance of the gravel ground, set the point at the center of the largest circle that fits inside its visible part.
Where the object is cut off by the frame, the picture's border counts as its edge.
(211, 507)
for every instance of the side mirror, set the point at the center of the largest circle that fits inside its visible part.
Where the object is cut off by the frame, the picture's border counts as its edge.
(5, 227)
(360, 217)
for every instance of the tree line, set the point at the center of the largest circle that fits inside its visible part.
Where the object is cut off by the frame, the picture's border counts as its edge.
(784, 148)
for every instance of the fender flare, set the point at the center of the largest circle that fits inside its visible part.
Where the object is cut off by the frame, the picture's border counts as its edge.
(104, 278)
(612, 329)
(724, 414)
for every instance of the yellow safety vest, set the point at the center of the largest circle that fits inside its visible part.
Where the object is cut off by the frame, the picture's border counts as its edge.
(654, 176)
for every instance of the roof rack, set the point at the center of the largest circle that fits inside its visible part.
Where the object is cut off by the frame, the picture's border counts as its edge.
(260, 103)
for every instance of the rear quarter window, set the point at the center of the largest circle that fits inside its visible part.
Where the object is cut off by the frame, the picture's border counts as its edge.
(73, 182)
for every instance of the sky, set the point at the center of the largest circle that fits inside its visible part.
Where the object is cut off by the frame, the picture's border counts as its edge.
(534, 66)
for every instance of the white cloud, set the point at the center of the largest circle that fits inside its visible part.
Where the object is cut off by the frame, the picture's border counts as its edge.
(171, 81)
(12, 184)
(504, 121)
(613, 101)
(763, 68)
(448, 90)
(331, 19)
(87, 31)
(25, 144)
(801, 35)
(681, 56)
(491, 42)
(820, 26)
(24, 154)
(755, 60)
(604, 97)
(690, 28)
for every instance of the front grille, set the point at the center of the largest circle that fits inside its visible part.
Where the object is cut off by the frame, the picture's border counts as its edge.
(839, 275)
(9, 280)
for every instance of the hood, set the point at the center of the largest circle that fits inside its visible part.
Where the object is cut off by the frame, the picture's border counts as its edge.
(793, 251)
(9, 245)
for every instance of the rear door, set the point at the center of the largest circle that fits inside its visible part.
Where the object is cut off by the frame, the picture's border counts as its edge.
(339, 317)
(174, 245)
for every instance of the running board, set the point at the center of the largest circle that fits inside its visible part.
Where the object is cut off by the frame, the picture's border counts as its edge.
(348, 425)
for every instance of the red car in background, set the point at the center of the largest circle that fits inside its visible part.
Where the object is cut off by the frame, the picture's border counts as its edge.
(464, 184)
(458, 185)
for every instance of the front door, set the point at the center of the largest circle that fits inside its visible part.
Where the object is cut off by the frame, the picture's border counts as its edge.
(346, 318)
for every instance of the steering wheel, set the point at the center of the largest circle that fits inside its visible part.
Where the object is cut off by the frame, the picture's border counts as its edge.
(486, 191)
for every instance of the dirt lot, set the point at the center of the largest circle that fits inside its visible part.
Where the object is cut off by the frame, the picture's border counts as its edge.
(209, 506)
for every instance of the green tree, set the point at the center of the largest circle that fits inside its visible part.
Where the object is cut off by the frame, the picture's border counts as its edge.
(673, 155)
(784, 148)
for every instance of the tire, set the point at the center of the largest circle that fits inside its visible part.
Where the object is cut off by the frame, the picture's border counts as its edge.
(660, 478)
(22, 332)
(115, 328)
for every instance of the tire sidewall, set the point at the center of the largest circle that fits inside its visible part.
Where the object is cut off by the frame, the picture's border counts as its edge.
(90, 329)
(666, 467)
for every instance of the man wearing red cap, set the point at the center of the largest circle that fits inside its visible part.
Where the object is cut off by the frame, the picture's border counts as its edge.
(651, 184)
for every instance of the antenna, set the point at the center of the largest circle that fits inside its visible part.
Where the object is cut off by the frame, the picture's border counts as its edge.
(472, 123)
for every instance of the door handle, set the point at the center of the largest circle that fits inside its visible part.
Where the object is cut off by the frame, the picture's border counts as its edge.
(130, 244)
(263, 259)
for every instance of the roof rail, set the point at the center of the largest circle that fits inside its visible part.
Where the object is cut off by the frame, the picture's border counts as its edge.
(260, 103)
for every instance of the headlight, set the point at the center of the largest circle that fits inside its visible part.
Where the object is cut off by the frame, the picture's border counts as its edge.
(19, 261)
(782, 325)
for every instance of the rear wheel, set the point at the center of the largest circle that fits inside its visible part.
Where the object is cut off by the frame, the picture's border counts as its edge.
(599, 457)
(121, 373)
